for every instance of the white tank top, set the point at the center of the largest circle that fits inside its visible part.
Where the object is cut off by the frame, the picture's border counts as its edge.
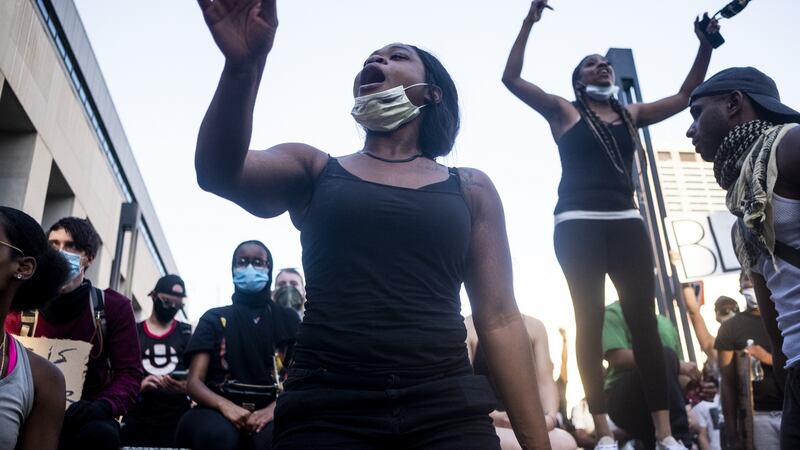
(784, 283)
(16, 397)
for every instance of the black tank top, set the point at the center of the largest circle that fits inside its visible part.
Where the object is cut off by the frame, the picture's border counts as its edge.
(384, 268)
(588, 179)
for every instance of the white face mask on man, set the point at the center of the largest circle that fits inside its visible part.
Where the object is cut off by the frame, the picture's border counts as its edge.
(750, 297)
(386, 110)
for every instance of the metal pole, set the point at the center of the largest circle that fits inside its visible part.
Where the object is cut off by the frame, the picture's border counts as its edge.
(128, 221)
(655, 212)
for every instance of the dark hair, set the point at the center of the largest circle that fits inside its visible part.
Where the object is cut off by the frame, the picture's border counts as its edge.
(290, 270)
(743, 276)
(258, 243)
(82, 232)
(726, 305)
(599, 128)
(440, 121)
(52, 269)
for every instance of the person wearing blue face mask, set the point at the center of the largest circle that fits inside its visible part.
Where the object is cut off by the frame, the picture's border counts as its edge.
(114, 371)
(231, 359)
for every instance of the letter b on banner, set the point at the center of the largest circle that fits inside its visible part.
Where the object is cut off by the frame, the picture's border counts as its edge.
(703, 245)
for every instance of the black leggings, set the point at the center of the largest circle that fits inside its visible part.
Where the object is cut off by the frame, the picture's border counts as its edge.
(588, 250)
(204, 428)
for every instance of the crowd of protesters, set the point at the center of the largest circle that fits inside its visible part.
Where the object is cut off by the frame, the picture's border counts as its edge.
(380, 357)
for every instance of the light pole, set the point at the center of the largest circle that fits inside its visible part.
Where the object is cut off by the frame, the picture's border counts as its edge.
(651, 200)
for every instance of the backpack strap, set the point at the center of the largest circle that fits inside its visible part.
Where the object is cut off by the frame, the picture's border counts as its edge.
(787, 253)
(98, 309)
(28, 320)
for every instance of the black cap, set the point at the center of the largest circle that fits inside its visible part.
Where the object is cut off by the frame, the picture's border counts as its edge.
(751, 81)
(171, 285)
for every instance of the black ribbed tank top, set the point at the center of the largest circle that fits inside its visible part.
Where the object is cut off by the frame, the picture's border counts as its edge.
(589, 181)
(384, 268)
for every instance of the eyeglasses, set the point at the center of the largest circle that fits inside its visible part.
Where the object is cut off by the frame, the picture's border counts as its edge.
(12, 247)
(257, 263)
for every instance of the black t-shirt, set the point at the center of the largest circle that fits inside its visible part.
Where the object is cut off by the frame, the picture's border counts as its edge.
(161, 355)
(209, 337)
(733, 335)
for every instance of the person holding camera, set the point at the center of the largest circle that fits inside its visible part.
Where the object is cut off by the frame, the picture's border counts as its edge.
(152, 421)
(232, 372)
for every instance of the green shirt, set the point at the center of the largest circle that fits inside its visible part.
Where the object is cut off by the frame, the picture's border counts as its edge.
(616, 335)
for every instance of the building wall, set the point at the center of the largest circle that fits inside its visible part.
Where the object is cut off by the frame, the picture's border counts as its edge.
(688, 183)
(52, 162)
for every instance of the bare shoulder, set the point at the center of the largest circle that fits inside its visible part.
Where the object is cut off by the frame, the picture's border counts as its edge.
(791, 143)
(788, 160)
(476, 184)
(479, 192)
(312, 158)
(46, 376)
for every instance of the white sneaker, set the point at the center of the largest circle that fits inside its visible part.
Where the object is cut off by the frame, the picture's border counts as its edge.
(669, 443)
(606, 443)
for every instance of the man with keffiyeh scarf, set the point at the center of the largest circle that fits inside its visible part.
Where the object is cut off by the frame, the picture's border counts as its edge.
(754, 141)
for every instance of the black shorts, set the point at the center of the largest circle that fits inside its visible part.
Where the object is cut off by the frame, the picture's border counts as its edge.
(323, 410)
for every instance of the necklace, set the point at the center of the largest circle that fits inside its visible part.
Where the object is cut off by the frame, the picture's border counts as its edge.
(393, 161)
(3, 354)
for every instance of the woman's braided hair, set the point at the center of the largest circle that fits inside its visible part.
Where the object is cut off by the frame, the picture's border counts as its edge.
(600, 129)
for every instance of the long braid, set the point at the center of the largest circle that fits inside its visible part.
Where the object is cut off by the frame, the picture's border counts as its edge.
(634, 132)
(600, 130)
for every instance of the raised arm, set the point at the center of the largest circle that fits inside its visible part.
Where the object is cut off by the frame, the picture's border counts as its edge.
(499, 325)
(698, 323)
(645, 114)
(266, 183)
(557, 111)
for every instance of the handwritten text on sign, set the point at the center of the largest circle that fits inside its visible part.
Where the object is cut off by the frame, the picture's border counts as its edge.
(68, 355)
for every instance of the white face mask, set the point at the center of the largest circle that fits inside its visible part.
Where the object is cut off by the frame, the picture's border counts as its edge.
(386, 110)
(601, 93)
(750, 297)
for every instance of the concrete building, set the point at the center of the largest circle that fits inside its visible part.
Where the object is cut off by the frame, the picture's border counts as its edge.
(63, 150)
(688, 183)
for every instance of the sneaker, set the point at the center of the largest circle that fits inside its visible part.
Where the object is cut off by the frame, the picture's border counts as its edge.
(669, 443)
(606, 443)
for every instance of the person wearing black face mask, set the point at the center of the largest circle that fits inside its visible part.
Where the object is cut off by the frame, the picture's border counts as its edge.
(232, 361)
(152, 421)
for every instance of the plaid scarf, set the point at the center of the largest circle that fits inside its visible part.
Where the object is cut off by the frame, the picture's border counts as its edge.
(738, 142)
(748, 172)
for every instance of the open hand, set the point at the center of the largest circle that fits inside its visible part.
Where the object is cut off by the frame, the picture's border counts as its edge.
(244, 30)
(535, 13)
(713, 27)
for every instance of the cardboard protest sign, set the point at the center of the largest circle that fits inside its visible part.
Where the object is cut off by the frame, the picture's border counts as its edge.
(68, 355)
